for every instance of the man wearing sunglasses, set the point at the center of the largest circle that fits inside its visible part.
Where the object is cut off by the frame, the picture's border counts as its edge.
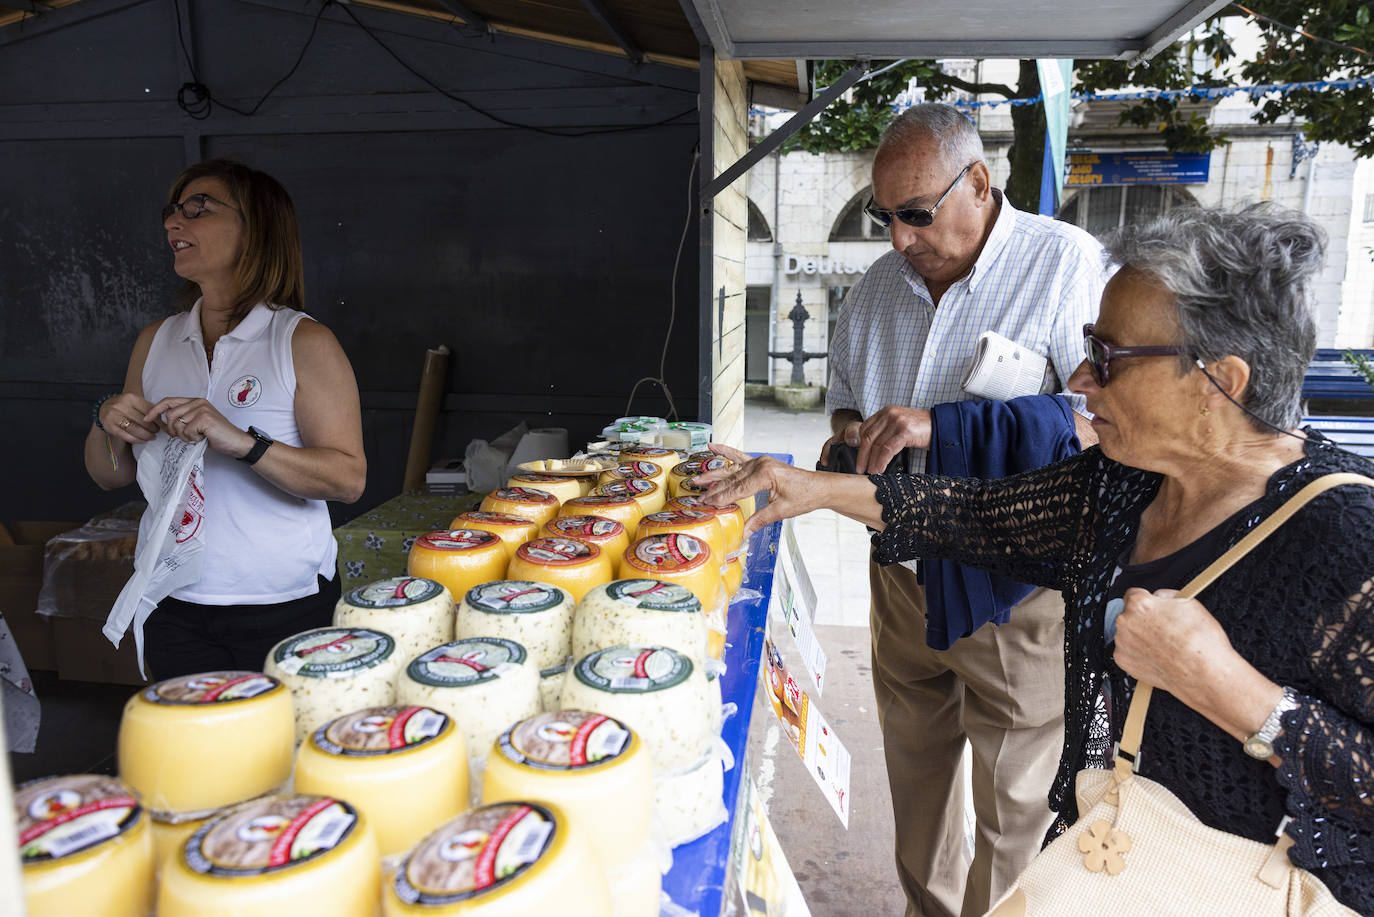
(964, 261)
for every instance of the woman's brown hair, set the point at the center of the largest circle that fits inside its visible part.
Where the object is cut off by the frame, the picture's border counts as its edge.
(270, 268)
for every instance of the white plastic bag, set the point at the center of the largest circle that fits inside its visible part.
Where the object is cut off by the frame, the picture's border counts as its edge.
(171, 474)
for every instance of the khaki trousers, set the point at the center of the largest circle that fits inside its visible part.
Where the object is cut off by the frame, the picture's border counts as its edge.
(1001, 690)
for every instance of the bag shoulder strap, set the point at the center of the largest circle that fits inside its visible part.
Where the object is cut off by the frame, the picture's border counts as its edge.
(1129, 749)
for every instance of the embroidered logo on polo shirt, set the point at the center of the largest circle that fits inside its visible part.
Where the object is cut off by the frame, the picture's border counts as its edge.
(245, 391)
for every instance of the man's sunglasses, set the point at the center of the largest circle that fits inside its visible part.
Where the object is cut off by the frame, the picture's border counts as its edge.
(1100, 354)
(912, 216)
(193, 207)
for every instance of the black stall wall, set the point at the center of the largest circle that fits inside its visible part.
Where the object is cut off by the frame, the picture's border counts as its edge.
(543, 262)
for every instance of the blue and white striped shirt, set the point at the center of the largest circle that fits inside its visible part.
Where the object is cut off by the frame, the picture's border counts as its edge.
(1036, 281)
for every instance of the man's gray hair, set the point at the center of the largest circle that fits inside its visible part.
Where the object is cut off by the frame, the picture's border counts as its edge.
(1242, 281)
(954, 134)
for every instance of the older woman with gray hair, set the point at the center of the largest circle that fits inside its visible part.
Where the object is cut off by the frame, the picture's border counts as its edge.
(1193, 372)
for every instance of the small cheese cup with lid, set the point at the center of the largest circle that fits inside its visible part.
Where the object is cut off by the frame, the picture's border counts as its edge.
(458, 558)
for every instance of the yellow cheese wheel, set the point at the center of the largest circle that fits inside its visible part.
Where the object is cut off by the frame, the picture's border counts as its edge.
(692, 522)
(593, 766)
(417, 612)
(300, 854)
(404, 767)
(680, 472)
(674, 558)
(714, 463)
(458, 558)
(649, 471)
(622, 509)
(733, 575)
(607, 534)
(512, 530)
(334, 670)
(637, 452)
(538, 616)
(539, 506)
(730, 516)
(85, 846)
(514, 858)
(235, 725)
(646, 493)
(641, 612)
(574, 565)
(563, 487)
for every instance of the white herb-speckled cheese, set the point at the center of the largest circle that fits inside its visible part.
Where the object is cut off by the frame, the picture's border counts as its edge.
(538, 616)
(416, 612)
(640, 612)
(335, 670)
(636, 885)
(551, 687)
(689, 802)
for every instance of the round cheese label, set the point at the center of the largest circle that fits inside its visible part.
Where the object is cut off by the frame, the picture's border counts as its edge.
(535, 477)
(633, 669)
(477, 515)
(464, 663)
(688, 469)
(652, 595)
(694, 502)
(524, 495)
(379, 731)
(210, 688)
(715, 463)
(397, 592)
(593, 527)
(272, 834)
(693, 485)
(56, 817)
(564, 741)
(333, 652)
(600, 501)
(476, 853)
(673, 552)
(455, 540)
(515, 596)
(674, 517)
(630, 487)
(637, 470)
(650, 452)
(557, 552)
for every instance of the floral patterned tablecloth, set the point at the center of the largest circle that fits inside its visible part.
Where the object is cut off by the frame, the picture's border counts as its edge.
(374, 545)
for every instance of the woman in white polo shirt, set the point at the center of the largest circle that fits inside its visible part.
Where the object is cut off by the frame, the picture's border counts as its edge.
(274, 396)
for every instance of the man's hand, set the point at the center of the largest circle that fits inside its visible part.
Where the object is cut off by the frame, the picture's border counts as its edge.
(849, 433)
(887, 433)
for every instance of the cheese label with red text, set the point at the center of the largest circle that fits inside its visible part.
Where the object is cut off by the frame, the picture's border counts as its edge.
(670, 552)
(210, 688)
(514, 596)
(557, 552)
(633, 669)
(478, 515)
(565, 740)
(56, 817)
(466, 662)
(475, 853)
(380, 731)
(270, 835)
(653, 595)
(455, 540)
(524, 495)
(336, 652)
(586, 527)
(396, 592)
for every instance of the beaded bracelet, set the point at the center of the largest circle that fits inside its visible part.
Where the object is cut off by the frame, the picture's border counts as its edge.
(95, 410)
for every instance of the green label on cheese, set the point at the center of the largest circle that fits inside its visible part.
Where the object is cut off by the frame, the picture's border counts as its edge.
(653, 595)
(333, 652)
(463, 663)
(397, 592)
(633, 669)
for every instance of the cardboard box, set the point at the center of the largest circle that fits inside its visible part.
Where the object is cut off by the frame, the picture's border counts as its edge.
(84, 654)
(448, 478)
(21, 579)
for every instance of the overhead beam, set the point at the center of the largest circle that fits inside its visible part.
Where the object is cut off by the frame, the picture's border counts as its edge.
(1185, 19)
(471, 19)
(52, 19)
(936, 48)
(607, 21)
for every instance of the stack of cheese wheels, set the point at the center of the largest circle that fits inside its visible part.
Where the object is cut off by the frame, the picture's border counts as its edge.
(404, 767)
(622, 509)
(300, 854)
(658, 691)
(730, 517)
(689, 522)
(507, 859)
(607, 534)
(236, 725)
(648, 471)
(688, 801)
(646, 493)
(693, 486)
(334, 670)
(575, 565)
(416, 612)
(536, 505)
(682, 471)
(675, 558)
(596, 770)
(638, 452)
(458, 558)
(641, 612)
(563, 487)
(551, 687)
(85, 846)
(512, 530)
(538, 616)
(484, 683)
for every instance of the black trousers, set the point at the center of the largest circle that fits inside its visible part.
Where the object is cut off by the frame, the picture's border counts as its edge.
(183, 638)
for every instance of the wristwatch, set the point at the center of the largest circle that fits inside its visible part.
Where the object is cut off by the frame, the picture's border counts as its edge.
(260, 444)
(1261, 744)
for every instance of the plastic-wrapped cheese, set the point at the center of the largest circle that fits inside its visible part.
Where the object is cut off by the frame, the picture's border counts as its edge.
(622, 509)
(689, 522)
(689, 802)
(512, 530)
(334, 670)
(484, 683)
(298, 854)
(659, 692)
(640, 612)
(733, 575)
(563, 487)
(458, 558)
(607, 534)
(538, 616)
(648, 471)
(507, 859)
(730, 517)
(664, 458)
(235, 725)
(404, 767)
(637, 886)
(674, 558)
(575, 565)
(646, 493)
(680, 472)
(551, 687)
(539, 506)
(168, 835)
(85, 846)
(592, 765)
(416, 612)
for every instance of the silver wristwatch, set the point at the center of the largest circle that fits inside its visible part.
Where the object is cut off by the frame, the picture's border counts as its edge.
(1261, 744)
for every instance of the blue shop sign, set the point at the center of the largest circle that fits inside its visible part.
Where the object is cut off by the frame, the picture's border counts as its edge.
(1083, 170)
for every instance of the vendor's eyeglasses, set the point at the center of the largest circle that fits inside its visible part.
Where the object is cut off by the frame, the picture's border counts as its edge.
(912, 216)
(1100, 354)
(193, 207)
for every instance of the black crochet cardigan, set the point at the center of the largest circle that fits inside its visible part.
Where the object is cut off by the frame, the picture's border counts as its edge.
(1300, 608)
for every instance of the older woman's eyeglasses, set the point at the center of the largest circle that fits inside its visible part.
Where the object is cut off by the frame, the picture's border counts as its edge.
(193, 206)
(912, 216)
(1100, 354)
